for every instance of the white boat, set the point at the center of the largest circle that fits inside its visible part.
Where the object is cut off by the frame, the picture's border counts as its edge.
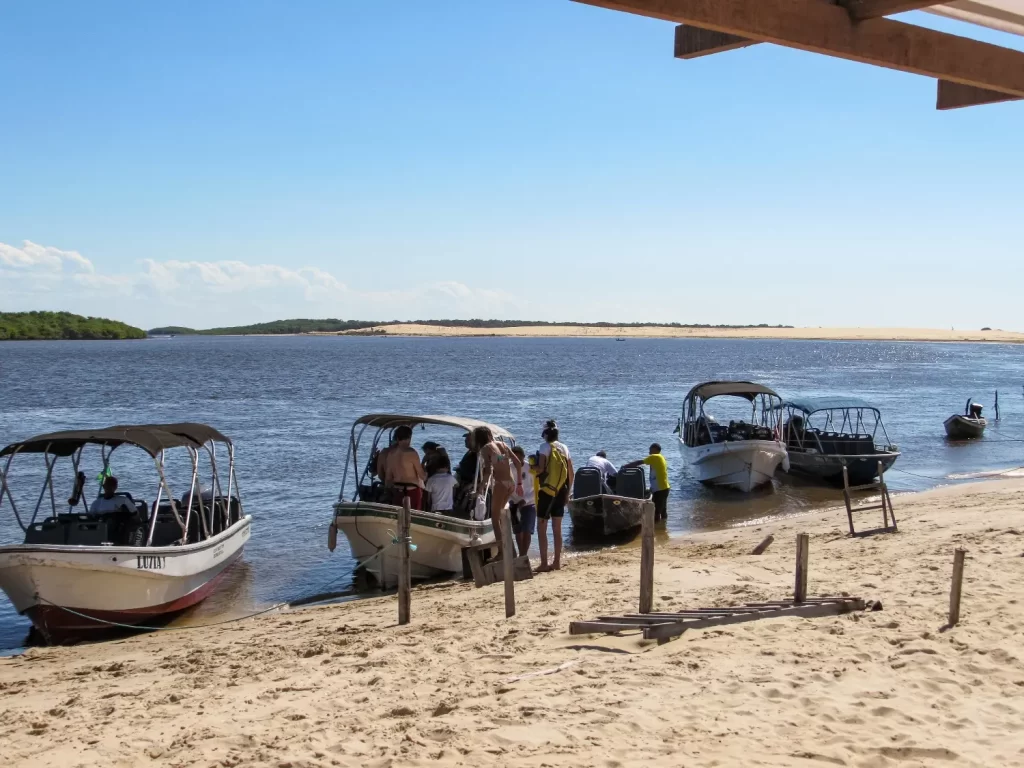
(369, 519)
(743, 455)
(77, 572)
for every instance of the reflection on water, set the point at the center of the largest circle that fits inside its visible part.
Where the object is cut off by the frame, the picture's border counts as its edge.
(289, 403)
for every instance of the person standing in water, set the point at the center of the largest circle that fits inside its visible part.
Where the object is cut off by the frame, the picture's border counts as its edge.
(554, 466)
(500, 464)
(658, 479)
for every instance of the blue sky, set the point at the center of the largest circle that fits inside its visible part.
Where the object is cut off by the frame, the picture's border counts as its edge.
(215, 163)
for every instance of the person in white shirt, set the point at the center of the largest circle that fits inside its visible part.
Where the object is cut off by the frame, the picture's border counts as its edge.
(110, 500)
(441, 487)
(599, 461)
(524, 505)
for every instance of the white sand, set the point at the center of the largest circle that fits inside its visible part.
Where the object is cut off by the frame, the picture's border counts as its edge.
(342, 685)
(818, 334)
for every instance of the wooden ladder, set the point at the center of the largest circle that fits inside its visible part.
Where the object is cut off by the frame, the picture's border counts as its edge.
(885, 505)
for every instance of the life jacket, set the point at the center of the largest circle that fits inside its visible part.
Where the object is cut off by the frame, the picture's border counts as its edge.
(556, 474)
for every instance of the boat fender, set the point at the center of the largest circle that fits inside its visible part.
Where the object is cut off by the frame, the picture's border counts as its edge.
(332, 537)
(785, 463)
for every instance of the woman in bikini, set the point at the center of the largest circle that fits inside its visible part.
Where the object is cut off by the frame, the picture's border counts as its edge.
(497, 463)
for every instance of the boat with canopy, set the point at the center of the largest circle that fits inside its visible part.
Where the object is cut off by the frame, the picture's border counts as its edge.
(743, 454)
(824, 434)
(367, 512)
(118, 560)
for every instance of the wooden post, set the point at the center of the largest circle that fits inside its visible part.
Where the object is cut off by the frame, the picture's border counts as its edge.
(647, 559)
(954, 590)
(881, 485)
(765, 543)
(508, 562)
(404, 564)
(846, 498)
(997, 405)
(802, 548)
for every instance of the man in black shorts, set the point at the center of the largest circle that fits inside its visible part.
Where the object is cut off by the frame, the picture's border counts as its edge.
(552, 506)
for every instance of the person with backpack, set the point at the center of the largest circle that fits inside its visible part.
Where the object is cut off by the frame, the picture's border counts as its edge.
(554, 467)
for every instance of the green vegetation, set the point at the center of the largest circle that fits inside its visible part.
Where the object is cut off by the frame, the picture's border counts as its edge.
(277, 326)
(335, 326)
(63, 325)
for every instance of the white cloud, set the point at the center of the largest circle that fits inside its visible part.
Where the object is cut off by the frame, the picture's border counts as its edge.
(42, 258)
(227, 292)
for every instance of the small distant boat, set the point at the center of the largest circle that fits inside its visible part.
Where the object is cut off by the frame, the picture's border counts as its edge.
(369, 518)
(968, 426)
(78, 572)
(742, 455)
(596, 513)
(825, 434)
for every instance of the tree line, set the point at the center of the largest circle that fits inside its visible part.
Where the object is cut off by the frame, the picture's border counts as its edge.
(335, 326)
(63, 325)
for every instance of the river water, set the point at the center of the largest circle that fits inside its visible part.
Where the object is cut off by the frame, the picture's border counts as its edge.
(289, 402)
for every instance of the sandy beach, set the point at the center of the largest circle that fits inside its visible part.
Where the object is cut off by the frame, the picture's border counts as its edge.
(463, 686)
(663, 332)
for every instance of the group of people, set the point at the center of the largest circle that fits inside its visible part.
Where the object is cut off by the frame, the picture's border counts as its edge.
(536, 488)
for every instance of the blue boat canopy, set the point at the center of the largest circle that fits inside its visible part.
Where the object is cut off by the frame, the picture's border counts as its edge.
(811, 405)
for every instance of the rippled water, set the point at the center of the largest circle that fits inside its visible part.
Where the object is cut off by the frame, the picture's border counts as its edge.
(288, 403)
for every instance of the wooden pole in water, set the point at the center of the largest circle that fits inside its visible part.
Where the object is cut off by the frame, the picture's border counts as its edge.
(997, 405)
(802, 551)
(955, 587)
(404, 563)
(647, 559)
(508, 562)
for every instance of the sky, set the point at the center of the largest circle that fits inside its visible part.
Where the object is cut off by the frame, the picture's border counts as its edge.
(222, 163)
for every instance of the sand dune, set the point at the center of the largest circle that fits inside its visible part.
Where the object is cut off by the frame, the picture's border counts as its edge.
(463, 686)
(819, 334)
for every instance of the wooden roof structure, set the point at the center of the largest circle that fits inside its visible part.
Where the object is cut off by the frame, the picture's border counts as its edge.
(968, 71)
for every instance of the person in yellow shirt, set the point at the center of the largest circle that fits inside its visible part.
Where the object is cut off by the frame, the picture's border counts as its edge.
(658, 479)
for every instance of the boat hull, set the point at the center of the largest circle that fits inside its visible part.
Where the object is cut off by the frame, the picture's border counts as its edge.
(861, 469)
(606, 515)
(963, 428)
(741, 464)
(71, 591)
(439, 540)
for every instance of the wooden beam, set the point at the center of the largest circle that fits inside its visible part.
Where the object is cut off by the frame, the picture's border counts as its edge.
(862, 10)
(954, 96)
(692, 42)
(820, 27)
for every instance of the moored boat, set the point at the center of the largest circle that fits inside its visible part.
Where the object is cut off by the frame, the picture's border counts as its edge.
(595, 512)
(118, 561)
(743, 455)
(368, 516)
(967, 426)
(825, 434)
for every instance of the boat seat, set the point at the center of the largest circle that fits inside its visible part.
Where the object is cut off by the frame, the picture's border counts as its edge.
(587, 483)
(167, 531)
(631, 482)
(50, 531)
(89, 534)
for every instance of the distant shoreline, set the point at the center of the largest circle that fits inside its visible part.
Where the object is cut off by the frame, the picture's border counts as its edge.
(663, 332)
